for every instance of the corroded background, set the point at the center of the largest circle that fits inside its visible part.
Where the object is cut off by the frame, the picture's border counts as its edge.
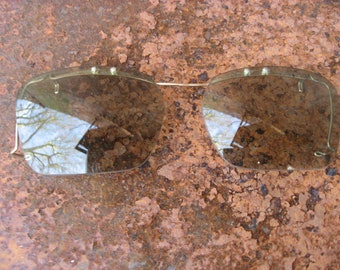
(185, 208)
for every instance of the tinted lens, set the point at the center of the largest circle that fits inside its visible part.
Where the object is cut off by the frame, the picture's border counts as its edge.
(88, 121)
(272, 118)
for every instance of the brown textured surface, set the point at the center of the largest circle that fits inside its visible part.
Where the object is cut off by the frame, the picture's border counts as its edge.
(184, 209)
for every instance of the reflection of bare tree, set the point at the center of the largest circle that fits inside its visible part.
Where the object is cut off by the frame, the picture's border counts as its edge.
(47, 145)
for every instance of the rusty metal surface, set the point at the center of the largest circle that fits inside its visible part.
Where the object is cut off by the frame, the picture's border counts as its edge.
(185, 208)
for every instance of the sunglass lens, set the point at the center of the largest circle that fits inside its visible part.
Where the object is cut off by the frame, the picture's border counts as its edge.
(88, 123)
(272, 118)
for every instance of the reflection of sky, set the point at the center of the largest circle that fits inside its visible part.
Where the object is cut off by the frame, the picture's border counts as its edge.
(49, 137)
(221, 127)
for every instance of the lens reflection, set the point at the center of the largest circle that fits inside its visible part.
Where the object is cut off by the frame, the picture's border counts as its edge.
(272, 120)
(88, 123)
